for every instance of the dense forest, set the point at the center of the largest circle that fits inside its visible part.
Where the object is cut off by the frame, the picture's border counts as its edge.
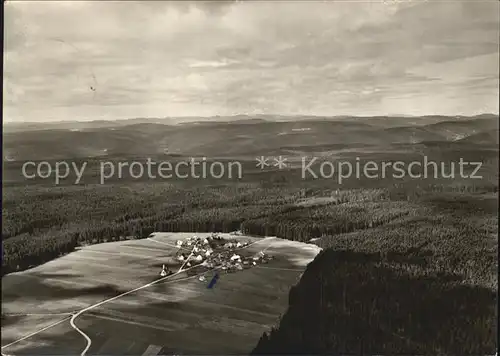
(359, 303)
(397, 255)
(42, 223)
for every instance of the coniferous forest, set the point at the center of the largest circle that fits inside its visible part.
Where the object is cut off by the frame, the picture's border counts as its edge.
(396, 255)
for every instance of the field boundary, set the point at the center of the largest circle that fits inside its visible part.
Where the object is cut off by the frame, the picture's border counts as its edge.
(72, 316)
(76, 315)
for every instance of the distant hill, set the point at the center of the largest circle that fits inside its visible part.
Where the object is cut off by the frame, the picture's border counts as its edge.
(457, 130)
(483, 138)
(385, 121)
(221, 137)
(79, 125)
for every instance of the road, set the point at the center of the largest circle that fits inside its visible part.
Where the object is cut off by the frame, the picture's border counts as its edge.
(89, 341)
(74, 316)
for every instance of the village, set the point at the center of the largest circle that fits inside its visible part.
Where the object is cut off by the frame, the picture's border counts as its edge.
(215, 252)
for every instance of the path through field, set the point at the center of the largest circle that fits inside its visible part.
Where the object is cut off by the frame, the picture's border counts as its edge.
(107, 299)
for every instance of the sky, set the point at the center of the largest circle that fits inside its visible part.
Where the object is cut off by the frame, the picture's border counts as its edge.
(87, 60)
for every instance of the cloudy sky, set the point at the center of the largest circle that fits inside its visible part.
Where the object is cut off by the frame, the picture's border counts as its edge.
(112, 60)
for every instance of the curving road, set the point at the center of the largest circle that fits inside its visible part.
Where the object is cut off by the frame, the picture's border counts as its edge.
(76, 315)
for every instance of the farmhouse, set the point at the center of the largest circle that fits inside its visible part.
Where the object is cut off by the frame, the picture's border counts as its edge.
(215, 252)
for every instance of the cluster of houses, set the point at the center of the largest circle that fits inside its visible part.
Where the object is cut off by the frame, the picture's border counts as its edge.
(217, 252)
(229, 261)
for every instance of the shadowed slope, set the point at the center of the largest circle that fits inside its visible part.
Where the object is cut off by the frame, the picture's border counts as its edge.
(360, 303)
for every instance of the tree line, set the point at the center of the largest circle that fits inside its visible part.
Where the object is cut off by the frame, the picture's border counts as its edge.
(61, 223)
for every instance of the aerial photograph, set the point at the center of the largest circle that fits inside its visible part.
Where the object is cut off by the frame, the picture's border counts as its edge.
(250, 177)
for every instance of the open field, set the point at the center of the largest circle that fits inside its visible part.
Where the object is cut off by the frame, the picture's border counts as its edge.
(176, 314)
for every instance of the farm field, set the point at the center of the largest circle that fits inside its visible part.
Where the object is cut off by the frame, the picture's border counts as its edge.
(177, 314)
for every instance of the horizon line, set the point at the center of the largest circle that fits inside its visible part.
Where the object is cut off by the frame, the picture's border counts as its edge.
(6, 122)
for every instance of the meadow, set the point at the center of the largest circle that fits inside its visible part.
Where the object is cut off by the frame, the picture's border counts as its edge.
(178, 314)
